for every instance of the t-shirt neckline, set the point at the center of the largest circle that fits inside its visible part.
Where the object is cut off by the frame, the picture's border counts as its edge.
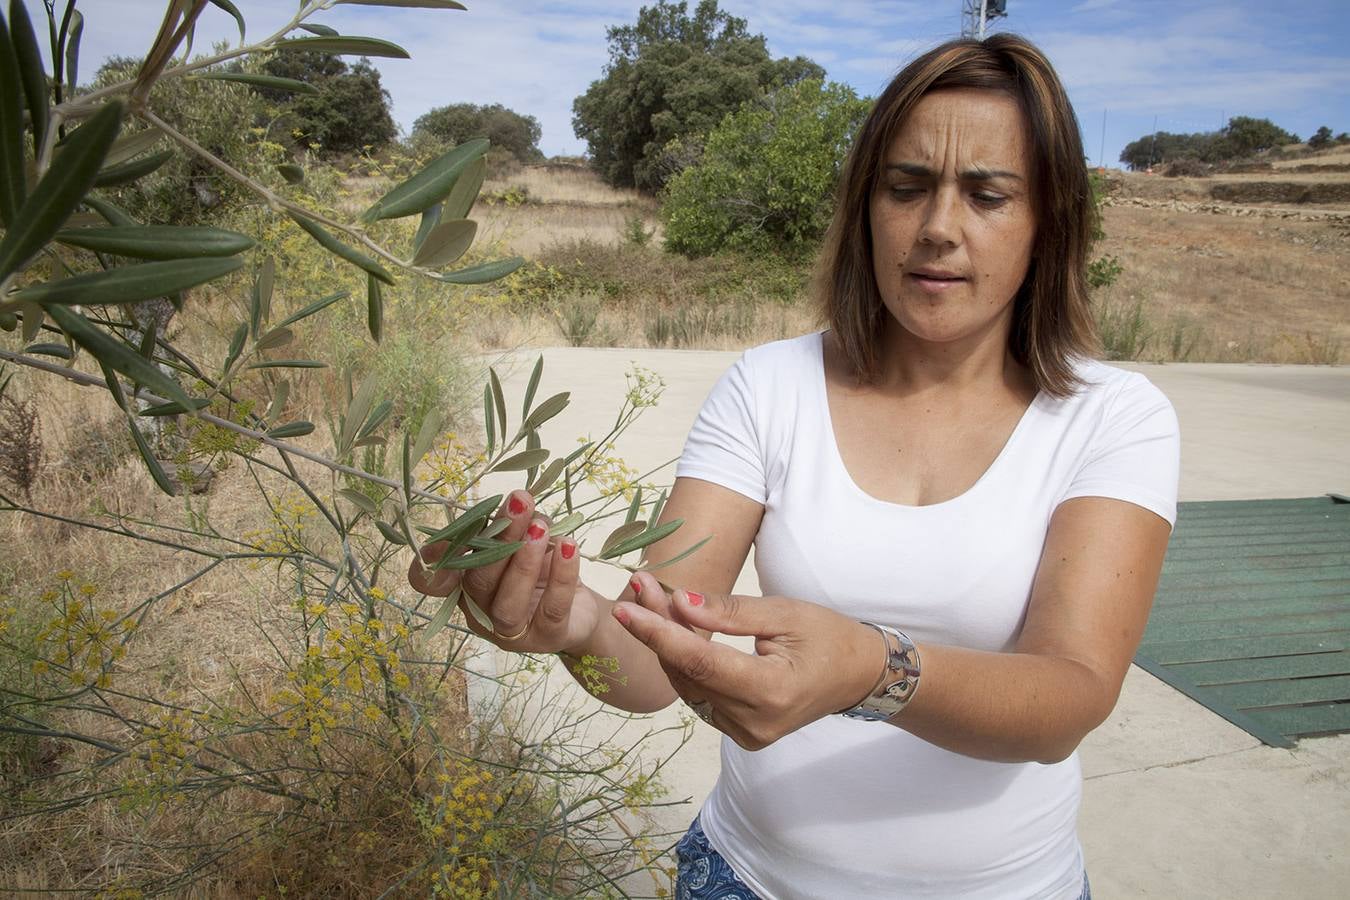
(837, 458)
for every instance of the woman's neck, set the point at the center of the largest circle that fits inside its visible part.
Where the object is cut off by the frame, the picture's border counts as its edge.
(980, 363)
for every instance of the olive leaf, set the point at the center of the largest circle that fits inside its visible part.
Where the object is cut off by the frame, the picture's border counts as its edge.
(12, 185)
(374, 308)
(273, 82)
(358, 410)
(442, 616)
(566, 525)
(546, 410)
(526, 459)
(232, 10)
(128, 284)
(115, 354)
(483, 272)
(60, 190)
(291, 172)
(465, 191)
(498, 398)
(360, 501)
(34, 77)
(688, 551)
(314, 307)
(426, 435)
(621, 534)
(431, 185)
(446, 243)
(421, 4)
(291, 429)
(129, 171)
(343, 46)
(333, 245)
(431, 216)
(458, 530)
(646, 538)
(157, 242)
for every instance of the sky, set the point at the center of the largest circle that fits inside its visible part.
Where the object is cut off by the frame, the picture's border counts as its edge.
(1126, 63)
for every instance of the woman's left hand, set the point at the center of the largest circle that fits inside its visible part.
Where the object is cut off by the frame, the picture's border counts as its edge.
(811, 661)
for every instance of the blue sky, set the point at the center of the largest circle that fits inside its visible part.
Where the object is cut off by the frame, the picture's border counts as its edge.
(1190, 64)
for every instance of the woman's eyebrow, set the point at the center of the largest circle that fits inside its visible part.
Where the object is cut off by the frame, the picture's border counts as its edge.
(976, 174)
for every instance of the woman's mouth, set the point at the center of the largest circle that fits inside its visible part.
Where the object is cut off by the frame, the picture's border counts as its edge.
(935, 283)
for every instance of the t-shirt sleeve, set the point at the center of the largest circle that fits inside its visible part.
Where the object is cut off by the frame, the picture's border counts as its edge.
(1135, 454)
(724, 446)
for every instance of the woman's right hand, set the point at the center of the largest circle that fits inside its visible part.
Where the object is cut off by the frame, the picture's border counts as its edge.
(535, 597)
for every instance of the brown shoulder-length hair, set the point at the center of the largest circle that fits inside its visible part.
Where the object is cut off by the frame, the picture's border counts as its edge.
(1052, 322)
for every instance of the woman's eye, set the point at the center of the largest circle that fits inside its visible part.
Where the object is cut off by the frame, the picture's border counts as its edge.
(989, 199)
(905, 191)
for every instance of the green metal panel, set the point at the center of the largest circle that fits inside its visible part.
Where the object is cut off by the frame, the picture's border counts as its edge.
(1252, 615)
(1172, 652)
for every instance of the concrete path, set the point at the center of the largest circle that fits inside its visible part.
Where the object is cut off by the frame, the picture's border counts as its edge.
(1178, 803)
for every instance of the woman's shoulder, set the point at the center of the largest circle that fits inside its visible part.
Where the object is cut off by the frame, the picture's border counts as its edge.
(1102, 382)
(1112, 398)
(781, 362)
(787, 351)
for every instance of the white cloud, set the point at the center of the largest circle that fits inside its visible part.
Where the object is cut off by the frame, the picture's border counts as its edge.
(1179, 60)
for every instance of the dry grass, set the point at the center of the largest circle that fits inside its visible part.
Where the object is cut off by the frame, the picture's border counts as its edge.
(1333, 157)
(567, 184)
(531, 228)
(1209, 287)
(1242, 289)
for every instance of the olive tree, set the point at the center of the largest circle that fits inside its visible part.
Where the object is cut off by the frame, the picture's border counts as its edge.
(335, 764)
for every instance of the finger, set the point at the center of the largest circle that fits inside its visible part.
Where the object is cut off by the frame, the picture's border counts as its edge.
(648, 591)
(730, 613)
(481, 583)
(555, 603)
(713, 667)
(428, 581)
(514, 600)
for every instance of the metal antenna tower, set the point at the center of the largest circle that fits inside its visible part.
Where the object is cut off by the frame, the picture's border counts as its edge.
(975, 14)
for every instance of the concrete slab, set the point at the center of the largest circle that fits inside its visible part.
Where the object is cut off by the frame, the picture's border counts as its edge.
(1177, 801)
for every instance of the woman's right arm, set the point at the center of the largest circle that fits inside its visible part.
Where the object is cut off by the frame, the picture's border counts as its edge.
(538, 593)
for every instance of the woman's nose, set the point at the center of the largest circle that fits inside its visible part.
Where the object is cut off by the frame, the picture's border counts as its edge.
(941, 222)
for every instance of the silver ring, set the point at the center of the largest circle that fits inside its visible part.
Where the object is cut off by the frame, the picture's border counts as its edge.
(702, 708)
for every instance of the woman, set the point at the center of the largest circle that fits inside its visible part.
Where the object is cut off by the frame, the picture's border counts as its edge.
(944, 462)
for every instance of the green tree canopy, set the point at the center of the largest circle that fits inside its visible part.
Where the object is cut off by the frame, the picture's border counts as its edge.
(672, 75)
(1321, 138)
(224, 118)
(1247, 135)
(767, 175)
(1242, 137)
(505, 128)
(350, 110)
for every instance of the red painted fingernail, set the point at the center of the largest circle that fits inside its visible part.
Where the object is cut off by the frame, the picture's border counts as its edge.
(569, 549)
(621, 614)
(695, 599)
(536, 531)
(635, 585)
(516, 506)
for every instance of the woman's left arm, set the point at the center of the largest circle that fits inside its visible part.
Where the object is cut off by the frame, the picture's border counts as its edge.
(1089, 605)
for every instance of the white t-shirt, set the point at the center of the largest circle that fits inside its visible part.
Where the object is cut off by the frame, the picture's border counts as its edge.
(845, 808)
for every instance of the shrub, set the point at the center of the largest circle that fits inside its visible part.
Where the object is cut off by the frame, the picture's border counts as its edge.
(1187, 168)
(768, 173)
(314, 737)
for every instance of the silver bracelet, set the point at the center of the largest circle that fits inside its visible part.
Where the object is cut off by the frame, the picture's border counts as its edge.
(899, 680)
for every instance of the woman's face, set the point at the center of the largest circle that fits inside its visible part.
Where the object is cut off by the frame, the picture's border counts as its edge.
(952, 220)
